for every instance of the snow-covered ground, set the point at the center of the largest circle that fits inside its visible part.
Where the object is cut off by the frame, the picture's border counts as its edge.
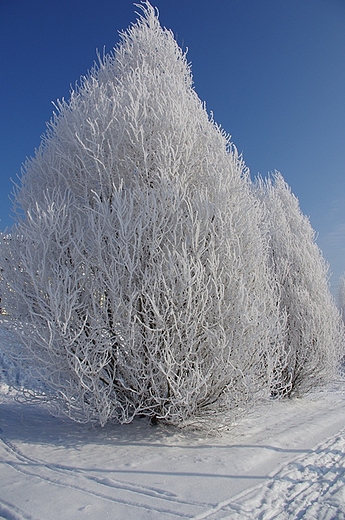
(285, 460)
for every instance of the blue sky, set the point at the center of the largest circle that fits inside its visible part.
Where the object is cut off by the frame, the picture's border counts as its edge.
(271, 71)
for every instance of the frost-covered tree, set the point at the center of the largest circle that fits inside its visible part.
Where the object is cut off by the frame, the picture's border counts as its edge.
(136, 275)
(313, 336)
(341, 296)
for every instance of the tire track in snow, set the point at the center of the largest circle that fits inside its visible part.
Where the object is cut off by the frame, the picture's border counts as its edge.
(311, 486)
(79, 480)
(9, 511)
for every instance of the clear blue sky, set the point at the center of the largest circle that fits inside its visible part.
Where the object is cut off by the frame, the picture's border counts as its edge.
(271, 71)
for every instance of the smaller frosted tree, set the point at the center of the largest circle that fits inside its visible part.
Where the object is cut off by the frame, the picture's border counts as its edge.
(314, 340)
(341, 296)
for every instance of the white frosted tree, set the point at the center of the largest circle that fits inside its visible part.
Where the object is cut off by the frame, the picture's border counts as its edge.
(341, 296)
(314, 341)
(136, 275)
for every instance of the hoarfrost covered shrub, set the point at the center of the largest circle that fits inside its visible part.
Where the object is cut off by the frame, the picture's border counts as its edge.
(314, 341)
(341, 296)
(136, 275)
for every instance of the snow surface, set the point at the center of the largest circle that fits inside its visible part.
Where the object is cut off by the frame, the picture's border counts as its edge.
(284, 460)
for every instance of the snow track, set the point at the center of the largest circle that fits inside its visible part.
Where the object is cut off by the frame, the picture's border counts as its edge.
(309, 487)
(92, 484)
(286, 461)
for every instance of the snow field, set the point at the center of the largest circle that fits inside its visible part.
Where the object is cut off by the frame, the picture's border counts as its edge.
(284, 460)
